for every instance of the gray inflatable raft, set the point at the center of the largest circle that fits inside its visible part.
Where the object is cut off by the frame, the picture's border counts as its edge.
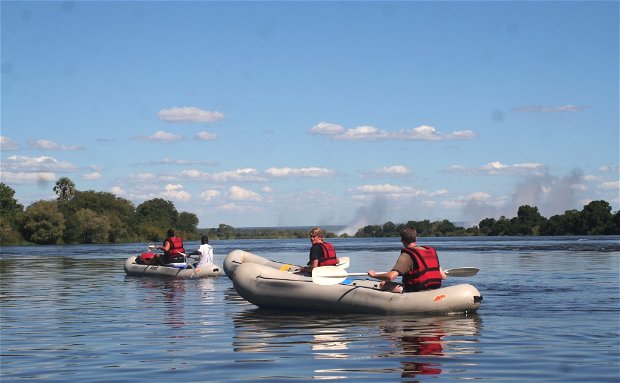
(238, 257)
(269, 287)
(135, 269)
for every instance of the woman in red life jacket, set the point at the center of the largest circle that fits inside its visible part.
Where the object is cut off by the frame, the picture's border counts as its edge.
(418, 265)
(173, 249)
(321, 253)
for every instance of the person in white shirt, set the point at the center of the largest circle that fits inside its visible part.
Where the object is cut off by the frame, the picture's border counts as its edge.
(205, 252)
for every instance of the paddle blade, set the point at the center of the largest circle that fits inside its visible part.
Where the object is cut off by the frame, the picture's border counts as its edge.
(328, 275)
(462, 272)
(344, 262)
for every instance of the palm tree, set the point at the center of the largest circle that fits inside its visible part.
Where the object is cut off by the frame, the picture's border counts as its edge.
(65, 189)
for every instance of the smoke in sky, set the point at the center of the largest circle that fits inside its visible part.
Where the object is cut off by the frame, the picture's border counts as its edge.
(551, 195)
(373, 214)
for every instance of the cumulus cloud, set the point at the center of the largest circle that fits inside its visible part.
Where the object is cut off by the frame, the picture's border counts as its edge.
(206, 136)
(237, 193)
(326, 128)
(160, 136)
(498, 168)
(189, 114)
(209, 195)
(27, 178)
(299, 172)
(610, 185)
(7, 144)
(548, 109)
(372, 133)
(237, 175)
(176, 192)
(51, 145)
(37, 164)
(394, 170)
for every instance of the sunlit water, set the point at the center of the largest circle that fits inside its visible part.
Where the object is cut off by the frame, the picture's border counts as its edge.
(551, 313)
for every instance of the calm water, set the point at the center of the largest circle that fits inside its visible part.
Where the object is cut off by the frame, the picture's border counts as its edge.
(551, 313)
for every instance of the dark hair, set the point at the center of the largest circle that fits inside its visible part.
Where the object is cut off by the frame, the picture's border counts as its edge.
(170, 233)
(204, 239)
(408, 235)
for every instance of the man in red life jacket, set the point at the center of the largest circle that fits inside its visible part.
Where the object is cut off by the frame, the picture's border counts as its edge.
(418, 265)
(173, 249)
(321, 253)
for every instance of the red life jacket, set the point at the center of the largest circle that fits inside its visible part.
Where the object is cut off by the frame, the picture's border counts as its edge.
(329, 255)
(427, 276)
(176, 247)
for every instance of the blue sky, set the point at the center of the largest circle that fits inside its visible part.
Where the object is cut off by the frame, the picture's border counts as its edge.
(315, 113)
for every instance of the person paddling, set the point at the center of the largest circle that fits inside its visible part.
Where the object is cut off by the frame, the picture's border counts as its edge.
(321, 253)
(418, 266)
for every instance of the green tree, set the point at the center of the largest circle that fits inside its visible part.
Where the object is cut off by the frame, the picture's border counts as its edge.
(188, 222)
(65, 189)
(94, 227)
(157, 213)
(43, 223)
(529, 221)
(596, 216)
(10, 212)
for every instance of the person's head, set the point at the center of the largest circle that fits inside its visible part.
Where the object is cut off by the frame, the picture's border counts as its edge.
(408, 235)
(204, 239)
(170, 233)
(316, 235)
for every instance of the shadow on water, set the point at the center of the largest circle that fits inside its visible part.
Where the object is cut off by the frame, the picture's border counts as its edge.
(416, 345)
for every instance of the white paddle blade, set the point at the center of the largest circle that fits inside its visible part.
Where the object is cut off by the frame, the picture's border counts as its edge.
(328, 275)
(344, 262)
(462, 272)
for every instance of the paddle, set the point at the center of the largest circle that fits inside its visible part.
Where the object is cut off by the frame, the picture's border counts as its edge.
(344, 262)
(333, 275)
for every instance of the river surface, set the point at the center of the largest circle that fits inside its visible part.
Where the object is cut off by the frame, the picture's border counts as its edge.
(551, 313)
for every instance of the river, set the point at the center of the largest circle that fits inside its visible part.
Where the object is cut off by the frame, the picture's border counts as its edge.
(551, 313)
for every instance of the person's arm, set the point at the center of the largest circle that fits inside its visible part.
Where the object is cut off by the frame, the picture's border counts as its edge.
(443, 273)
(389, 276)
(165, 247)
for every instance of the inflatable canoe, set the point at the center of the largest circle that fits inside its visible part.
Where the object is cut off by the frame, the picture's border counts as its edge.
(139, 270)
(238, 257)
(267, 286)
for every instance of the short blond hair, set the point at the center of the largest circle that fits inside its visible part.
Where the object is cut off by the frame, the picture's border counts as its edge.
(317, 232)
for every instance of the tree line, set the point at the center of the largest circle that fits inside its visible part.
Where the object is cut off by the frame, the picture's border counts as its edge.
(100, 217)
(596, 218)
(89, 217)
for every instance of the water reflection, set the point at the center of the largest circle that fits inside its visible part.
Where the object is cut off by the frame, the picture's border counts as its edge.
(423, 342)
(418, 346)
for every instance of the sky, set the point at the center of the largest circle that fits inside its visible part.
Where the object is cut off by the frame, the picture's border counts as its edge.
(315, 113)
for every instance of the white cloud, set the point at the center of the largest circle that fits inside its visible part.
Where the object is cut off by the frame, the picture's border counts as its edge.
(498, 168)
(364, 132)
(27, 178)
(209, 195)
(369, 133)
(237, 193)
(189, 114)
(549, 109)
(37, 164)
(51, 145)
(206, 136)
(7, 144)
(176, 192)
(398, 170)
(245, 174)
(326, 128)
(299, 172)
(92, 176)
(161, 136)
(610, 185)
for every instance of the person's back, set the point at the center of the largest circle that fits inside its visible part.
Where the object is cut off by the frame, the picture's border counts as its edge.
(206, 253)
(174, 252)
